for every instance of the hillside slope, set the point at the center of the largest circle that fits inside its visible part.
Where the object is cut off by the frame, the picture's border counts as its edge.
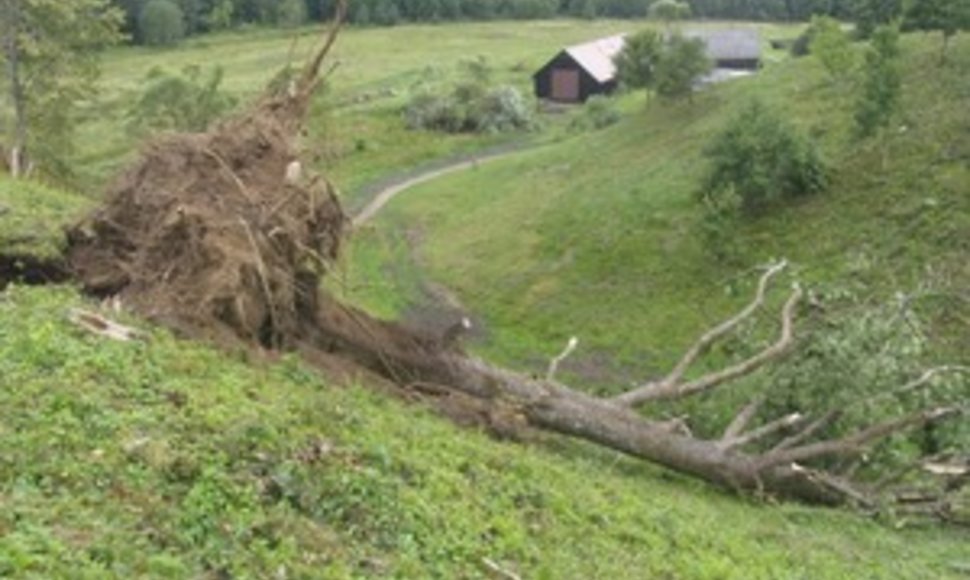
(599, 236)
(169, 459)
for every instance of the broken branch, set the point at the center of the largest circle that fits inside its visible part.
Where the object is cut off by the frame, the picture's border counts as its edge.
(672, 387)
(854, 444)
(556, 361)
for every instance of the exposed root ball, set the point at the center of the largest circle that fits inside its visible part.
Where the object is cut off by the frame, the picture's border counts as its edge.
(207, 235)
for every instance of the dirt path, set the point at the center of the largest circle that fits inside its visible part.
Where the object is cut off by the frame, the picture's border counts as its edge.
(392, 189)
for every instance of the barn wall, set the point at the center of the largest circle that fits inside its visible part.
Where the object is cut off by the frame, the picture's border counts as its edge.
(588, 86)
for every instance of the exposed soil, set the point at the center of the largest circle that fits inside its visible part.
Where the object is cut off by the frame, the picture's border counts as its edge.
(31, 270)
(218, 237)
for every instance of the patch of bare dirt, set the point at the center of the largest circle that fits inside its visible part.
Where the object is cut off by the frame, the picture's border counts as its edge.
(31, 270)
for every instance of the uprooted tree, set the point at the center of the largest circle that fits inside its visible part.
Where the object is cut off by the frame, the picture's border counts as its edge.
(220, 235)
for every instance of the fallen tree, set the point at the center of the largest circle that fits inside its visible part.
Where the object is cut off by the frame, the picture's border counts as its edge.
(221, 236)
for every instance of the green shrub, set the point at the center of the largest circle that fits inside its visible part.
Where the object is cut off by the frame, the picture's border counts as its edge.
(185, 102)
(470, 107)
(759, 159)
(599, 112)
(161, 23)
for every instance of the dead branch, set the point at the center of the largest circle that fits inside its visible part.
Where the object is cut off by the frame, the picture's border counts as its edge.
(556, 361)
(672, 386)
(808, 432)
(311, 74)
(767, 430)
(741, 421)
(855, 443)
(101, 326)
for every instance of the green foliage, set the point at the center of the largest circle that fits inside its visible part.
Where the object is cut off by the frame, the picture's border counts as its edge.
(861, 363)
(168, 459)
(682, 62)
(945, 16)
(882, 86)
(221, 15)
(33, 217)
(471, 106)
(161, 23)
(636, 64)
(831, 46)
(49, 55)
(291, 13)
(759, 159)
(669, 10)
(189, 101)
(870, 14)
(599, 112)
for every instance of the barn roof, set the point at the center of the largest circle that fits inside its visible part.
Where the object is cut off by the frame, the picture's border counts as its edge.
(730, 44)
(597, 56)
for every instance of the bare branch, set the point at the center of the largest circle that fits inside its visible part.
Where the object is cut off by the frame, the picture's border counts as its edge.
(311, 73)
(669, 384)
(766, 430)
(555, 362)
(666, 389)
(741, 421)
(812, 428)
(101, 326)
(855, 443)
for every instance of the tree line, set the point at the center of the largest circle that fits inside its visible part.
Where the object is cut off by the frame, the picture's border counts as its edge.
(194, 16)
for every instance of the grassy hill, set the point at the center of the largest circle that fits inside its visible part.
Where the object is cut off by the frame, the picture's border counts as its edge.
(599, 235)
(166, 458)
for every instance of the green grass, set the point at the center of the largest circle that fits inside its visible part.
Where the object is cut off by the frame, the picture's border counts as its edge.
(170, 459)
(355, 134)
(599, 235)
(32, 217)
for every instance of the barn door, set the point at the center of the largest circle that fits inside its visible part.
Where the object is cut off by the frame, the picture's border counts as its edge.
(565, 85)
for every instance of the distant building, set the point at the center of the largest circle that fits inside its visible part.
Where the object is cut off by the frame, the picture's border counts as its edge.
(581, 71)
(738, 48)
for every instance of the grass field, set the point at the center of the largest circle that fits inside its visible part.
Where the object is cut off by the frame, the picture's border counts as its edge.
(599, 235)
(166, 458)
(356, 130)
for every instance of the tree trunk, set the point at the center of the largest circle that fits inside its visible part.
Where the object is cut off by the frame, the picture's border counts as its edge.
(412, 361)
(18, 148)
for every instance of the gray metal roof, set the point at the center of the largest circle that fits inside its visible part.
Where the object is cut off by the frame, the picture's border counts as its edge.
(730, 44)
(597, 56)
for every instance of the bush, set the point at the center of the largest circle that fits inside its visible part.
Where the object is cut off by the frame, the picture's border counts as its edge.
(186, 102)
(598, 113)
(857, 360)
(470, 106)
(161, 23)
(759, 159)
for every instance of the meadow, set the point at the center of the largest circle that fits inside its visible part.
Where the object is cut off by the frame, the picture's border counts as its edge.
(169, 458)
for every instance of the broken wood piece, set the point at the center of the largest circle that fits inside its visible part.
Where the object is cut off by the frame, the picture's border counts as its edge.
(101, 326)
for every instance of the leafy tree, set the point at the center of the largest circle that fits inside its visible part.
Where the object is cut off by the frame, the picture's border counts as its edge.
(636, 64)
(291, 13)
(759, 159)
(186, 102)
(161, 23)
(221, 15)
(946, 16)
(49, 52)
(669, 11)
(682, 61)
(832, 47)
(882, 87)
(869, 14)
